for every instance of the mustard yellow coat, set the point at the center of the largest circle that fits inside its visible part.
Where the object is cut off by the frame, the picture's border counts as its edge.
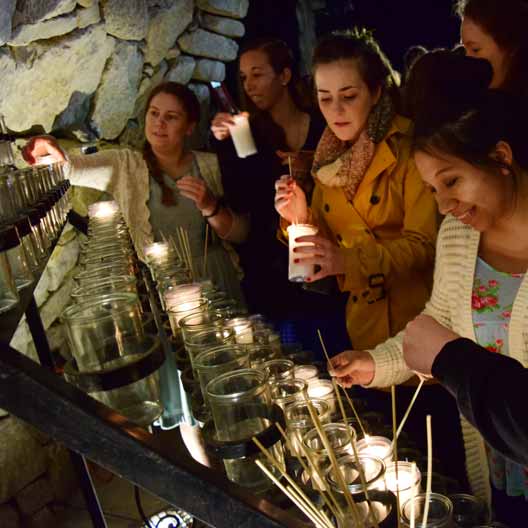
(388, 235)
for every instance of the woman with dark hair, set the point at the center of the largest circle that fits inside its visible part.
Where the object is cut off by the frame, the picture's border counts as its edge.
(285, 129)
(158, 190)
(495, 30)
(376, 220)
(474, 161)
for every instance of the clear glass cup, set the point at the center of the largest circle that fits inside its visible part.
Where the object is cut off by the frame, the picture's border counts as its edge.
(241, 404)
(8, 290)
(103, 286)
(198, 322)
(23, 227)
(259, 354)
(186, 307)
(16, 256)
(210, 363)
(376, 446)
(468, 511)
(286, 391)
(204, 340)
(408, 481)
(278, 369)
(299, 421)
(104, 270)
(340, 437)
(323, 389)
(101, 330)
(440, 511)
(243, 329)
(7, 207)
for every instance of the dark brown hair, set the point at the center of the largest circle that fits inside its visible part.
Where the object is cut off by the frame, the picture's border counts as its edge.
(191, 105)
(506, 22)
(359, 44)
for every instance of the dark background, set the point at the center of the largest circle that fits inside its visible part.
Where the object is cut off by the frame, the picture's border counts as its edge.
(397, 24)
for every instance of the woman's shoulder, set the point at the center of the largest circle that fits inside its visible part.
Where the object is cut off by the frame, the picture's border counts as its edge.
(205, 157)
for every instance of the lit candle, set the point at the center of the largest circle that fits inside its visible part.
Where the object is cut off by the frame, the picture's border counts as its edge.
(408, 481)
(103, 210)
(182, 301)
(157, 252)
(298, 272)
(323, 390)
(243, 330)
(377, 446)
(306, 372)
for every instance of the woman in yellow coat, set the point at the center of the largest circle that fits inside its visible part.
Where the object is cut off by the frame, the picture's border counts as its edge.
(377, 222)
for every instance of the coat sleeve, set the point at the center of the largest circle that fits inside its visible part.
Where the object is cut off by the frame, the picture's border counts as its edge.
(487, 387)
(390, 367)
(412, 250)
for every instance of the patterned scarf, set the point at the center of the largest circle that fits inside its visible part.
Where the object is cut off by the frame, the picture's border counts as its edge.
(339, 164)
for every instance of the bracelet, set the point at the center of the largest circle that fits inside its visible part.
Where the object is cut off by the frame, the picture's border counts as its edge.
(216, 210)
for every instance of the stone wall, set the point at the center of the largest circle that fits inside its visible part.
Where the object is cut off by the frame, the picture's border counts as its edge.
(82, 70)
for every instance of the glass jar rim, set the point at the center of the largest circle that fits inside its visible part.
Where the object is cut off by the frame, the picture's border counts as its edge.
(313, 434)
(356, 486)
(321, 407)
(73, 312)
(200, 361)
(258, 376)
(420, 498)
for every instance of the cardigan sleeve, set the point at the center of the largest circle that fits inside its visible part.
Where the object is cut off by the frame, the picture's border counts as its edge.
(390, 367)
(487, 387)
(412, 250)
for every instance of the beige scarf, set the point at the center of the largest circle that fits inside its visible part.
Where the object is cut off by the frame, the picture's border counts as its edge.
(339, 164)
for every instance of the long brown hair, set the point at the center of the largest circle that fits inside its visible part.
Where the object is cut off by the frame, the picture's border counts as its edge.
(191, 105)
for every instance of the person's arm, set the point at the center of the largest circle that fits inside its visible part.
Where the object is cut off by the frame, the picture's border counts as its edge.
(489, 391)
(412, 250)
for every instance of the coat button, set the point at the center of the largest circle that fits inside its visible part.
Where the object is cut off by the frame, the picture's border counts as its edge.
(326, 208)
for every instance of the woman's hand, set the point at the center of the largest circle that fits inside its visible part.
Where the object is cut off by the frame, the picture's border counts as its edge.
(290, 201)
(40, 146)
(220, 125)
(323, 253)
(352, 367)
(423, 339)
(196, 190)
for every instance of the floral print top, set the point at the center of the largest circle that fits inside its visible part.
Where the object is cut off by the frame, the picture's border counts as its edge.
(492, 299)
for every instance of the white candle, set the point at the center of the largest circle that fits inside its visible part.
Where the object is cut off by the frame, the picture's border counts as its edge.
(323, 390)
(243, 330)
(157, 252)
(377, 446)
(103, 210)
(408, 481)
(306, 372)
(242, 137)
(298, 272)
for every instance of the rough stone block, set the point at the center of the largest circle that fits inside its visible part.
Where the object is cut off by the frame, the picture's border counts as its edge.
(146, 86)
(209, 70)
(224, 26)
(230, 8)
(182, 71)
(48, 75)
(7, 8)
(206, 44)
(22, 459)
(33, 11)
(165, 26)
(116, 95)
(126, 19)
(34, 496)
(9, 517)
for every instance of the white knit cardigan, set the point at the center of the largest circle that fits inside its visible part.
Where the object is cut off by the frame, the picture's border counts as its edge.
(124, 174)
(450, 305)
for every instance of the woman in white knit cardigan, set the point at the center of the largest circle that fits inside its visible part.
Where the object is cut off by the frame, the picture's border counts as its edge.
(475, 162)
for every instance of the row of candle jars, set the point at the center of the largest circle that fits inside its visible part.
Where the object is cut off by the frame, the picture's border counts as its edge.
(34, 203)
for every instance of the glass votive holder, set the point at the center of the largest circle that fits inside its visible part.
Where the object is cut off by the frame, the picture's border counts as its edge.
(104, 270)
(210, 363)
(103, 286)
(340, 438)
(287, 391)
(376, 446)
(468, 510)
(243, 329)
(324, 390)
(23, 227)
(308, 373)
(241, 135)
(18, 263)
(259, 354)
(266, 336)
(213, 337)
(186, 307)
(8, 290)
(199, 322)
(407, 482)
(278, 369)
(440, 511)
(298, 272)
(299, 421)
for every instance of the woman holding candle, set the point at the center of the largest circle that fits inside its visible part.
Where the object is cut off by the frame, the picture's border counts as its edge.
(167, 186)
(475, 162)
(377, 222)
(286, 131)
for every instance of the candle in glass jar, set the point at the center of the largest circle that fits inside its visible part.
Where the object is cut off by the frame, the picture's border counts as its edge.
(377, 446)
(157, 252)
(306, 372)
(408, 481)
(323, 390)
(103, 210)
(243, 330)
(242, 137)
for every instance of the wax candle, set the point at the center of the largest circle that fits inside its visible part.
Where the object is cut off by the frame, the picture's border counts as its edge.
(306, 372)
(408, 481)
(243, 330)
(377, 446)
(324, 390)
(298, 272)
(242, 137)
